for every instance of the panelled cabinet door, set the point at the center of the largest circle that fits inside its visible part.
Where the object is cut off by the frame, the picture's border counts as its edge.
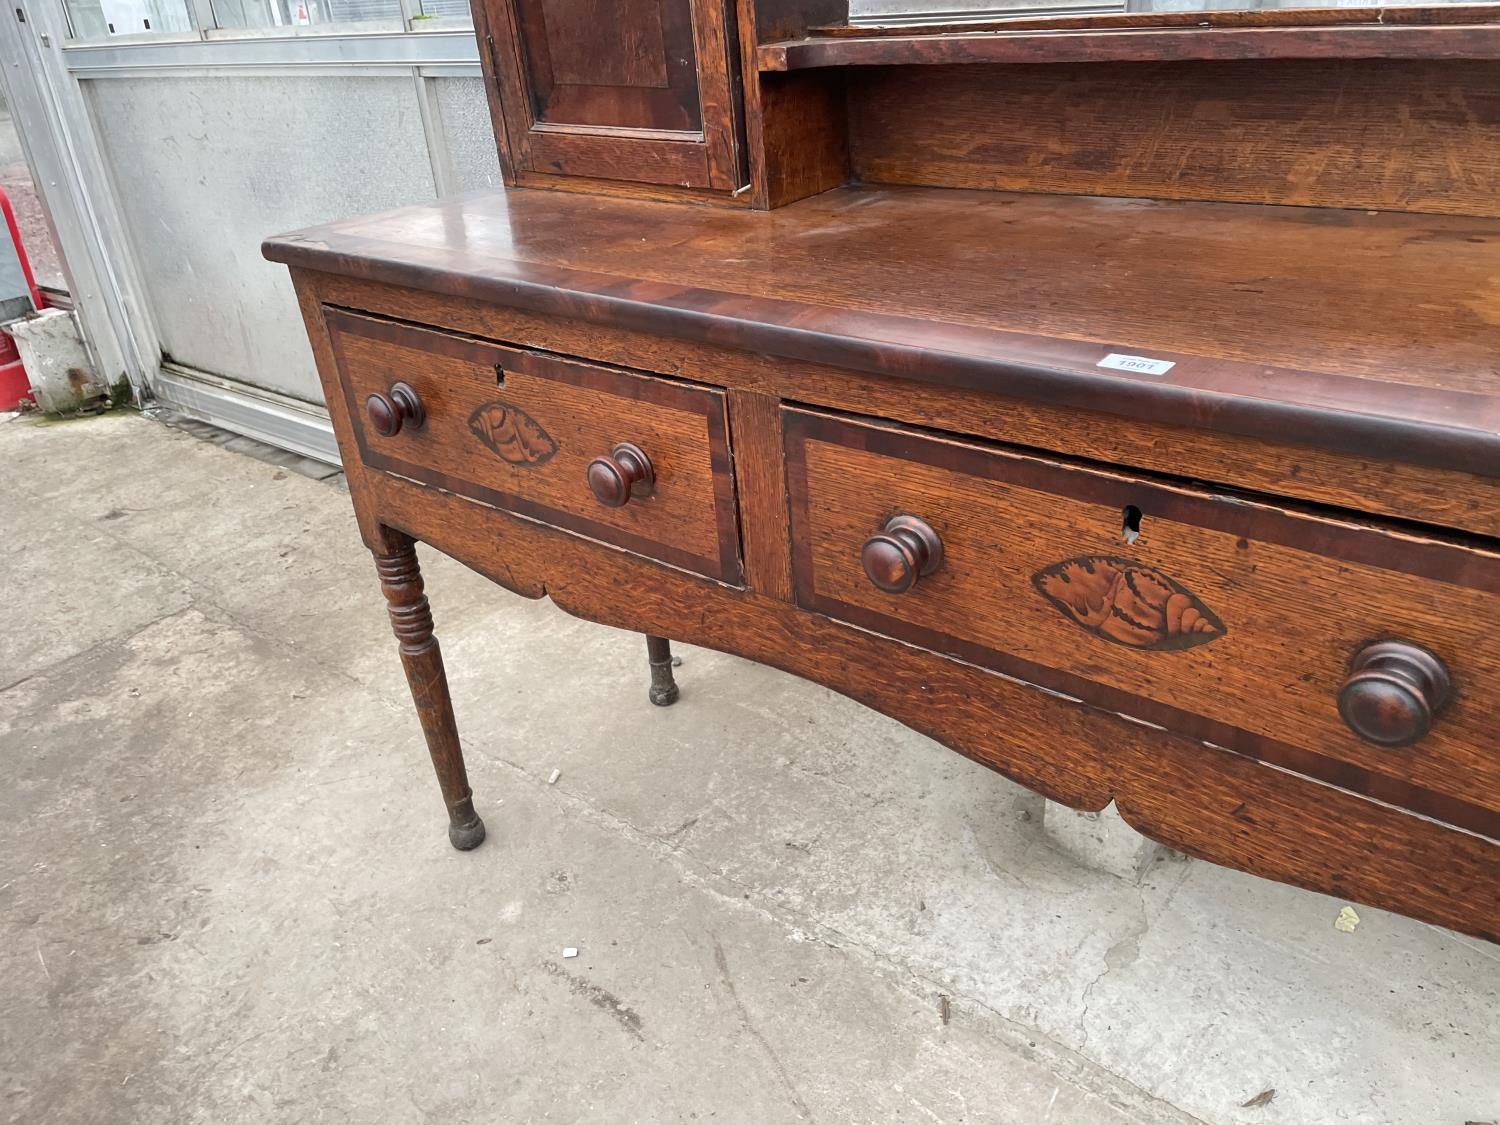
(614, 89)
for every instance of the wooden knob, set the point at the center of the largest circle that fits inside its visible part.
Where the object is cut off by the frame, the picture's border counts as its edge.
(388, 413)
(1393, 690)
(904, 550)
(626, 472)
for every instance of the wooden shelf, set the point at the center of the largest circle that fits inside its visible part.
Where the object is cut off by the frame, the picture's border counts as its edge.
(1463, 32)
(1438, 14)
(1365, 333)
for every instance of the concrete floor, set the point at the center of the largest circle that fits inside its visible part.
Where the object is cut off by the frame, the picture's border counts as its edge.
(226, 895)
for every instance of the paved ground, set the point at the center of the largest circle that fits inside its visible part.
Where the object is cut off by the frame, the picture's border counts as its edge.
(226, 896)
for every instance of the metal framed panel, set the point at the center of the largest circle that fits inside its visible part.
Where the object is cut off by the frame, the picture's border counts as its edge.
(432, 132)
(63, 154)
(206, 167)
(276, 53)
(74, 175)
(275, 419)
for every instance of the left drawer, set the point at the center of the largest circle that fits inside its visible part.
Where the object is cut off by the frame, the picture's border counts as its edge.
(633, 460)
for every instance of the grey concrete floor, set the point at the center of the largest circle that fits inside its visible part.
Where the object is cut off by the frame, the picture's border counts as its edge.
(226, 896)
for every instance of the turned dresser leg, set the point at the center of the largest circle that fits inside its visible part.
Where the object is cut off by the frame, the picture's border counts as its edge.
(663, 687)
(411, 618)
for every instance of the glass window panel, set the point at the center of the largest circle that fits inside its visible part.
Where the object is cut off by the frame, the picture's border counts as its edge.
(350, 11)
(100, 19)
(293, 14)
(449, 11)
(103, 19)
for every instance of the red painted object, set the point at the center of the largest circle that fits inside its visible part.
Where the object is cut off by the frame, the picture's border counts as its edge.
(14, 386)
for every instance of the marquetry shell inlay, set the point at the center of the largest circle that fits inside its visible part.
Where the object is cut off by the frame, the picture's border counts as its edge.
(514, 435)
(1128, 603)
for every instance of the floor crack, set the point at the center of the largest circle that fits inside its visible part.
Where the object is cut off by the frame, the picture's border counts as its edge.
(1123, 953)
(722, 964)
(1070, 1065)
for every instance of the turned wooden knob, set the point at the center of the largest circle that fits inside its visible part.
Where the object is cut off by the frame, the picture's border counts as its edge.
(904, 550)
(626, 472)
(401, 406)
(1393, 690)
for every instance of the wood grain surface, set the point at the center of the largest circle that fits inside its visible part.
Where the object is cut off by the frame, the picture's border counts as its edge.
(1372, 483)
(1449, 14)
(581, 411)
(1291, 597)
(799, 138)
(755, 422)
(631, 91)
(1239, 813)
(796, 134)
(422, 660)
(1020, 295)
(1143, 448)
(621, 63)
(1137, 44)
(1405, 136)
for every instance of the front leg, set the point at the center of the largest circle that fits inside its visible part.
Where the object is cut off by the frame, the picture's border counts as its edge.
(411, 618)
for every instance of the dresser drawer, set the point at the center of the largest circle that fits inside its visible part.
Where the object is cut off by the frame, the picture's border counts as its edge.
(630, 459)
(1232, 621)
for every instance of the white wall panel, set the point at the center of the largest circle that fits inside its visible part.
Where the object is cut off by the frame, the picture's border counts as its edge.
(205, 167)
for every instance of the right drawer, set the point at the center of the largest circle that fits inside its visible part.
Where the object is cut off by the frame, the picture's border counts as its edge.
(1365, 656)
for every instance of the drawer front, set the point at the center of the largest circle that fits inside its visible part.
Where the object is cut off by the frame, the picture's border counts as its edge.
(522, 431)
(1227, 620)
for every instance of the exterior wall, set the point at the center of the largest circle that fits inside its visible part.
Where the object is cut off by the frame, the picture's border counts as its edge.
(164, 157)
(206, 166)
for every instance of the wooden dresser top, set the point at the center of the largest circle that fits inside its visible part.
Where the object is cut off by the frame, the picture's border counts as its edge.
(1369, 333)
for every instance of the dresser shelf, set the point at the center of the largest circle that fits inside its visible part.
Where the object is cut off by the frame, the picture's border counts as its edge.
(1469, 32)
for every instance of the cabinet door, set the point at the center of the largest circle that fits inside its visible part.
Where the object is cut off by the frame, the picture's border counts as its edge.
(614, 89)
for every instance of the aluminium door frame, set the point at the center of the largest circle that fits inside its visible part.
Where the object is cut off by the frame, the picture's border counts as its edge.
(43, 75)
(57, 136)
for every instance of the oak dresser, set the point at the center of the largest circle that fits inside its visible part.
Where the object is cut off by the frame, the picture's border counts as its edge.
(1115, 399)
